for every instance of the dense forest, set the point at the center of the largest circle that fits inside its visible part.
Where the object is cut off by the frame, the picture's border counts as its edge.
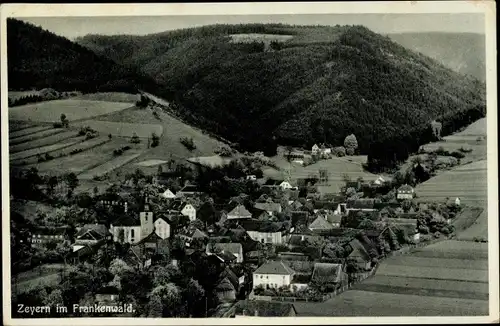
(39, 59)
(297, 86)
(322, 84)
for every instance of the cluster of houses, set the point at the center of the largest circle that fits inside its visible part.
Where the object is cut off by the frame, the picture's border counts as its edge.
(244, 234)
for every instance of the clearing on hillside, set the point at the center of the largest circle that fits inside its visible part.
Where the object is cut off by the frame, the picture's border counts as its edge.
(50, 111)
(109, 97)
(468, 182)
(122, 129)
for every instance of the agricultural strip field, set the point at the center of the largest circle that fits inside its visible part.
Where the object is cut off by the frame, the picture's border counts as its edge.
(35, 136)
(109, 97)
(27, 131)
(479, 229)
(108, 166)
(18, 125)
(468, 182)
(42, 150)
(434, 273)
(150, 163)
(50, 111)
(81, 145)
(42, 141)
(83, 161)
(122, 129)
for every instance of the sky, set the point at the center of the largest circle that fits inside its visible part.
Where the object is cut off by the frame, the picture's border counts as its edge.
(72, 27)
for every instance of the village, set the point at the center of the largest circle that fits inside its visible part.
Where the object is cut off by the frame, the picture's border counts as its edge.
(258, 244)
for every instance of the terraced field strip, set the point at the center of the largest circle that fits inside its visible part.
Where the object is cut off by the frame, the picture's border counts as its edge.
(358, 303)
(27, 131)
(63, 136)
(108, 166)
(434, 273)
(438, 263)
(35, 136)
(41, 150)
(15, 126)
(122, 129)
(478, 230)
(83, 161)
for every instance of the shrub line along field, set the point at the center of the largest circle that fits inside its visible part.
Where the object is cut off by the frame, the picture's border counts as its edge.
(50, 111)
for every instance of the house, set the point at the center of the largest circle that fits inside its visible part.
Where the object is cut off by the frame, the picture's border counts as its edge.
(141, 253)
(239, 212)
(457, 201)
(168, 194)
(315, 150)
(91, 234)
(187, 208)
(189, 190)
(334, 219)
(320, 224)
(300, 240)
(269, 206)
(359, 254)
(273, 274)
(234, 248)
(261, 215)
(193, 234)
(162, 227)
(356, 185)
(286, 255)
(251, 177)
(44, 235)
(295, 205)
(276, 184)
(364, 205)
(379, 181)
(333, 274)
(250, 308)
(225, 290)
(129, 229)
(409, 226)
(265, 231)
(405, 192)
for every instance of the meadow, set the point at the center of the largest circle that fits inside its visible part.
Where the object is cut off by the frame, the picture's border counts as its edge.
(43, 150)
(49, 140)
(13, 134)
(122, 129)
(108, 166)
(258, 37)
(109, 97)
(50, 111)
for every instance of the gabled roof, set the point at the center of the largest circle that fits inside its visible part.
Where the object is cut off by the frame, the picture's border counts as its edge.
(358, 250)
(263, 308)
(361, 203)
(323, 204)
(274, 267)
(190, 188)
(262, 226)
(273, 182)
(320, 223)
(231, 276)
(226, 256)
(127, 219)
(327, 272)
(151, 238)
(232, 247)
(334, 218)
(271, 207)
(98, 231)
(405, 188)
(239, 212)
(296, 239)
(225, 285)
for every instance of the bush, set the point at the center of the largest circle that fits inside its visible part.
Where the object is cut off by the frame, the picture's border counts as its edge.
(457, 154)
(339, 151)
(188, 143)
(465, 150)
(224, 151)
(48, 157)
(135, 139)
(155, 140)
(120, 151)
(57, 125)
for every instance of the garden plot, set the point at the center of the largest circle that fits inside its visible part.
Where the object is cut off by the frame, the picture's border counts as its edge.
(122, 129)
(27, 131)
(50, 111)
(49, 140)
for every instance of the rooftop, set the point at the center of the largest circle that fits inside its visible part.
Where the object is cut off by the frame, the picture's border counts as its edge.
(274, 267)
(327, 272)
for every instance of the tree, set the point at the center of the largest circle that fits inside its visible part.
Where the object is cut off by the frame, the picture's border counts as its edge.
(155, 140)
(118, 267)
(194, 293)
(72, 182)
(350, 144)
(155, 306)
(52, 184)
(135, 139)
(54, 298)
(64, 120)
(339, 151)
(170, 295)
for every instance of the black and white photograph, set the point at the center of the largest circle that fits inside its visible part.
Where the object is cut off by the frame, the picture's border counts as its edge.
(163, 163)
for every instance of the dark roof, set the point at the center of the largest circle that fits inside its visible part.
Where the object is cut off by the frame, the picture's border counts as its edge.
(324, 204)
(269, 206)
(320, 223)
(225, 285)
(274, 267)
(358, 249)
(190, 188)
(151, 238)
(361, 203)
(296, 239)
(262, 226)
(229, 274)
(231, 247)
(273, 182)
(405, 188)
(293, 256)
(226, 256)
(127, 219)
(263, 308)
(327, 272)
(95, 229)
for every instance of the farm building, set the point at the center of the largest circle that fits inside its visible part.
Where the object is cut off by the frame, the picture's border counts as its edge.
(273, 274)
(405, 192)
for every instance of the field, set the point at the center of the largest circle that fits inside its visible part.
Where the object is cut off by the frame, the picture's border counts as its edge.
(13, 134)
(109, 96)
(35, 136)
(150, 163)
(50, 111)
(87, 160)
(108, 166)
(59, 137)
(438, 280)
(468, 182)
(122, 129)
(42, 150)
(256, 37)
(337, 168)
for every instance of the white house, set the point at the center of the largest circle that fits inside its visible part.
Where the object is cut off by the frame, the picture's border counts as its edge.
(285, 185)
(273, 274)
(315, 149)
(251, 177)
(405, 192)
(239, 212)
(457, 201)
(190, 211)
(267, 237)
(379, 181)
(168, 194)
(162, 228)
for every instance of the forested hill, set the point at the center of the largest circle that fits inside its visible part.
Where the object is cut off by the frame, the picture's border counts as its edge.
(40, 59)
(462, 52)
(299, 84)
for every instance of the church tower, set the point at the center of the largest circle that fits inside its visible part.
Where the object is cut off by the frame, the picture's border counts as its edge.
(146, 217)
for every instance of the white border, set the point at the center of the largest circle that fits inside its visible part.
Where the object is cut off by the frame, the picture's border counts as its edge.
(45, 10)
